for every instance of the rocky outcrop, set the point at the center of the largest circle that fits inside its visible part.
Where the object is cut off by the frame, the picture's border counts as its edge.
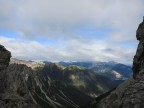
(4, 57)
(28, 88)
(13, 93)
(130, 94)
(4, 62)
(138, 62)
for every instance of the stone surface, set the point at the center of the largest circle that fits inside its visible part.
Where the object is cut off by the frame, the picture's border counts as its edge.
(4, 57)
(4, 62)
(138, 62)
(13, 93)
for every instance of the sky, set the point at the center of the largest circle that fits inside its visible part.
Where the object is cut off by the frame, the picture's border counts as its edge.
(71, 30)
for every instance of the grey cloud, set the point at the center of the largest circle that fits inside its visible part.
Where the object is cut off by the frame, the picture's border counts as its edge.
(108, 50)
(57, 18)
(75, 50)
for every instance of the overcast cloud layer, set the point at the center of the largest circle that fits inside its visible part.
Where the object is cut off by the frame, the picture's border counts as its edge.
(71, 30)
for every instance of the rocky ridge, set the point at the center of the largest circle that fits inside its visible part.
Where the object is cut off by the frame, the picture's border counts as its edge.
(12, 91)
(130, 94)
(85, 80)
(30, 64)
(4, 57)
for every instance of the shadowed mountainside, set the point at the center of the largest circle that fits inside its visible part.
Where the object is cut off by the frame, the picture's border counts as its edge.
(85, 80)
(82, 79)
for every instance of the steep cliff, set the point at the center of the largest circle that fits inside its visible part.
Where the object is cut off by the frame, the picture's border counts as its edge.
(12, 86)
(130, 94)
(4, 58)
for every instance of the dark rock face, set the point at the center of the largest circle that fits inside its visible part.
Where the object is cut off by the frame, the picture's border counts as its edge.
(4, 62)
(4, 57)
(13, 93)
(129, 94)
(138, 62)
(25, 88)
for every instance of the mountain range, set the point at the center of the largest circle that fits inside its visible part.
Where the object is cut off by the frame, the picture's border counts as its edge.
(56, 85)
(83, 79)
(63, 84)
(112, 70)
